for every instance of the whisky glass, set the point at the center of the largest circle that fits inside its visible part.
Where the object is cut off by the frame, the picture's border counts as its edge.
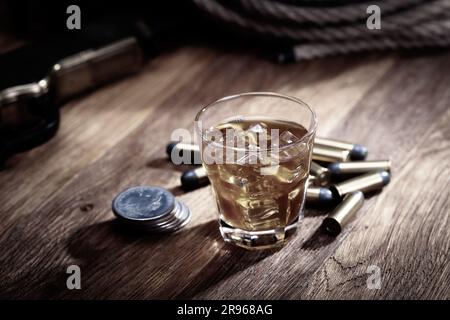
(256, 148)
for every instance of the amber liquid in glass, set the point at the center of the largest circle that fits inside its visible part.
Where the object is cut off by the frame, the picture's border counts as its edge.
(263, 190)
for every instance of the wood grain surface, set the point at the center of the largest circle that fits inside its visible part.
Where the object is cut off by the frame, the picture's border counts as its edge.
(56, 199)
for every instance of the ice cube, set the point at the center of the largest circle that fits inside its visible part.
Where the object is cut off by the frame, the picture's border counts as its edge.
(248, 158)
(257, 128)
(260, 212)
(269, 170)
(269, 157)
(240, 135)
(213, 135)
(287, 137)
(229, 126)
(256, 132)
(295, 150)
(290, 146)
(285, 175)
(236, 139)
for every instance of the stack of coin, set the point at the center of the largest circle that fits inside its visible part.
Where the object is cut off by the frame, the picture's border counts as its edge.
(151, 209)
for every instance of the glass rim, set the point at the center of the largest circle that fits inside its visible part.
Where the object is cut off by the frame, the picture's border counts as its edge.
(310, 131)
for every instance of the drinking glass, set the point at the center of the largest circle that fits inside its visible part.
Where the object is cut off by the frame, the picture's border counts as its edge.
(256, 148)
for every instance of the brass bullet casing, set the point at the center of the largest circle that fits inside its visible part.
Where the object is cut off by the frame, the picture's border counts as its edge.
(357, 151)
(321, 174)
(326, 154)
(365, 183)
(355, 167)
(340, 216)
(319, 195)
(312, 181)
(179, 148)
(194, 178)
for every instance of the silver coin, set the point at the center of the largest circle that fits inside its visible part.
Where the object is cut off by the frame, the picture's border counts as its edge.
(180, 214)
(186, 218)
(151, 208)
(182, 218)
(170, 219)
(143, 203)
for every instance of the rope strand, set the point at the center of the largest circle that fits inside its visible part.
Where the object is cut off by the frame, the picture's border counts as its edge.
(325, 30)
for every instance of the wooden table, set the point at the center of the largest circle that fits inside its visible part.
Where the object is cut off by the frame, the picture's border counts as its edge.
(56, 199)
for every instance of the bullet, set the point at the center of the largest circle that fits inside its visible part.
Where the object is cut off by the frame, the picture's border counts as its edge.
(357, 151)
(326, 154)
(194, 178)
(319, 195)
(355, 167)
(177, 149)
(340, 216)
(365, 183)
(312, 181)
(321, 174)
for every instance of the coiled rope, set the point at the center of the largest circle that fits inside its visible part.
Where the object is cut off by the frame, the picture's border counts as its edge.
(322, 29)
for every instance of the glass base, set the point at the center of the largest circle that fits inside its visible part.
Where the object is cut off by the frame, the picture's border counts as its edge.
(257, 240)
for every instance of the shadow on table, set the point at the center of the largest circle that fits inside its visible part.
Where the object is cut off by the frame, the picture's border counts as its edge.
(165, 163)
(318, 239)
(227, 262)
(192, 260)
(317, 210)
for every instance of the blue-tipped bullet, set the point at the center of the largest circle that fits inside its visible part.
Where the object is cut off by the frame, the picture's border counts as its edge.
(183, 153)
(357, 151)
(358, 167)
(194, 178)
(319, 195)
